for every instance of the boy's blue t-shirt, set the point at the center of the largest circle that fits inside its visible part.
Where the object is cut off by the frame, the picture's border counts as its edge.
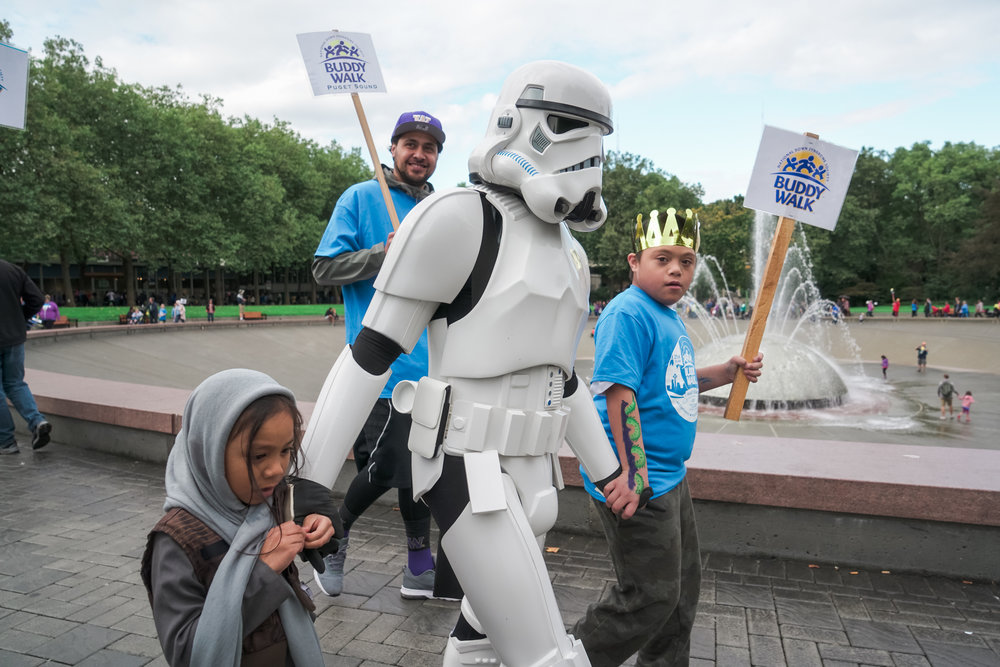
(360, 221)
(643, 345)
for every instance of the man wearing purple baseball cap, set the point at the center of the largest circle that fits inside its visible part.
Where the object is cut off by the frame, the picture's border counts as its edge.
(350, 254)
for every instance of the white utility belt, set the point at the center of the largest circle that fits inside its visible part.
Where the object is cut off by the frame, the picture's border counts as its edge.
(459, 426)
(477, 427)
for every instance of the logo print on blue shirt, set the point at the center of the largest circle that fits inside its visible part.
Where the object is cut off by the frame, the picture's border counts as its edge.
(682, 380)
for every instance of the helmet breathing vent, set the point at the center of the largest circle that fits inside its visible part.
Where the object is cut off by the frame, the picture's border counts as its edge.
(538, 140)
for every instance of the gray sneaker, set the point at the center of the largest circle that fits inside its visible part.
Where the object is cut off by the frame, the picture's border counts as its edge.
(331, 581)
(417, 586)
(10, 448)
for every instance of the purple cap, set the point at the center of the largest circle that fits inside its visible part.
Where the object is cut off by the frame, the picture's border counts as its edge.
(419, 121)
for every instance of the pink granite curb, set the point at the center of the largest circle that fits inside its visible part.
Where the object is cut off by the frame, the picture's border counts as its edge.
(915, 482)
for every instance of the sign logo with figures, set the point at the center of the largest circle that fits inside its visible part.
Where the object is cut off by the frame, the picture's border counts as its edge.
(800, 177)
(341, 62)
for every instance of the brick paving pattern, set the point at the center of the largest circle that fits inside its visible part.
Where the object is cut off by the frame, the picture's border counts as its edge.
(72, 527)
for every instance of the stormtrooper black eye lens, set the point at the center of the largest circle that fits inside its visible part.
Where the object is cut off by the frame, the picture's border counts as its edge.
(563, 124)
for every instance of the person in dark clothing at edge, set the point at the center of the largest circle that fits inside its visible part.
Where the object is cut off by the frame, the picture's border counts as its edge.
(20, 299)
(350, 254)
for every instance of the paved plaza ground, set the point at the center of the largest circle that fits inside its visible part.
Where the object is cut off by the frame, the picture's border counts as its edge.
(73, 521)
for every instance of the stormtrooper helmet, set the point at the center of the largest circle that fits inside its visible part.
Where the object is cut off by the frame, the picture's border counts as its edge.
(545, 141)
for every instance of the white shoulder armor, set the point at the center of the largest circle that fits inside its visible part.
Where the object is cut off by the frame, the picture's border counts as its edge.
(436, 247)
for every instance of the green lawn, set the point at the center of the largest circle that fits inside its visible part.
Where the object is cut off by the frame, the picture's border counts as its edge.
(111, 313)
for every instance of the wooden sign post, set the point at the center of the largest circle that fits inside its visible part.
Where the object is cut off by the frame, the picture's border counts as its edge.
(376, 163)
(761, 308)
(795, 178)
(345, 62)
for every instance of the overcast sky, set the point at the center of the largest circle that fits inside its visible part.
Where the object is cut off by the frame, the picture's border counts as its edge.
(693, 83)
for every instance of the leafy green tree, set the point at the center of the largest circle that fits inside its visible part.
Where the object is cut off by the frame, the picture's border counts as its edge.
(49, 188)
(726, 235)
(864, 244)
(631, 185)
(974, 263)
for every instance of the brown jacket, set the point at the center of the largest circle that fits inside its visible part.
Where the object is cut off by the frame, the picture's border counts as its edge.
(266, 643)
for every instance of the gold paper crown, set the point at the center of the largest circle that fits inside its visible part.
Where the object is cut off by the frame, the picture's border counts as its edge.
(686, 232)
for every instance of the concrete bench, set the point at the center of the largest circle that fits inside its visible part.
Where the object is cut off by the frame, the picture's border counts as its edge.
(904, 507)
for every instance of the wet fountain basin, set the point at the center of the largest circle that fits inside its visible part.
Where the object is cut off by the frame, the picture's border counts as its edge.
(796, 376)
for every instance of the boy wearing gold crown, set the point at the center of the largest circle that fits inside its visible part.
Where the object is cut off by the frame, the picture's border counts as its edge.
(646, 391)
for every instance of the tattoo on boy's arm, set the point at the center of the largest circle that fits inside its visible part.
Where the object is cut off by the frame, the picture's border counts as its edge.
(634, 453)
(703, 380)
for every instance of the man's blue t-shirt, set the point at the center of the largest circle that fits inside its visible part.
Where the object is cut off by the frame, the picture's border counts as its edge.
(643, 345)
(360, 221)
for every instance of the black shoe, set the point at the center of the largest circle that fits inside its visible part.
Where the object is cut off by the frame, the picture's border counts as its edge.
(40, 438)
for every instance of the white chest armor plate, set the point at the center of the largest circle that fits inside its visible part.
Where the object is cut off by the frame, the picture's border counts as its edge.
(534, 307)
(505, 359)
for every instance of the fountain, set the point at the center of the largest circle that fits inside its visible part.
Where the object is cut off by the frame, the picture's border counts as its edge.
(802, 380)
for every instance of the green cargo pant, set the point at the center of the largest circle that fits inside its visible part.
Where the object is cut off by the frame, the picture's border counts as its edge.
(652, 607)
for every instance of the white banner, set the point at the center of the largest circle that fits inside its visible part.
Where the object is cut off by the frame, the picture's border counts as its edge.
(13, 86)
(341, 62)
(799, 177)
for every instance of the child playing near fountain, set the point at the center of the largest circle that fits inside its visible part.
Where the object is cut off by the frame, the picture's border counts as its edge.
(218, 567)
(885, 367)
(967, 402)
(641, 344)
(922, 357)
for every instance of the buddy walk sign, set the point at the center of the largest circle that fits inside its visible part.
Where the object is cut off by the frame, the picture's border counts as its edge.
(344, 62)
(341, 62)
(796, 177)
(13, 86)
(800, 177)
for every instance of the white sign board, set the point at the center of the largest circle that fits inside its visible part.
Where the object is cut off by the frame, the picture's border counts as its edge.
(341, 62)
(13, 86)
(799, 177)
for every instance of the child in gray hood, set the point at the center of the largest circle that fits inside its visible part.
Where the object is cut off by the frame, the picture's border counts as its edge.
(219, 566)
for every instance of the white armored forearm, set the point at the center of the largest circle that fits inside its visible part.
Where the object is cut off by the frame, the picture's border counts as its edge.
(587, 439)
(341, 409)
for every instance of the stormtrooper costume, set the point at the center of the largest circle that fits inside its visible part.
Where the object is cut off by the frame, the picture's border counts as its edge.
(502, 287)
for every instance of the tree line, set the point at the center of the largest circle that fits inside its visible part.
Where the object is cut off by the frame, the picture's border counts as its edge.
(922, 222)
(147, 176)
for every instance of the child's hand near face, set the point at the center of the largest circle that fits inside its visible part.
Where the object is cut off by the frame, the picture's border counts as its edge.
(282, 544)
(317, 530)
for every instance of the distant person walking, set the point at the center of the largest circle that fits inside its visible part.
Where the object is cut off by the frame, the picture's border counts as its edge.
(241, 301)
(49, 312)
(913, 308)
(210, 310)
(967, 402)
(20, 299)
(895, 307)
(945, 391)
(922, 357)
(885, 367)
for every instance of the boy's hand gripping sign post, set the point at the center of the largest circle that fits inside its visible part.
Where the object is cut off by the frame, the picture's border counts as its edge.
(795, 177)
(344, 62)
